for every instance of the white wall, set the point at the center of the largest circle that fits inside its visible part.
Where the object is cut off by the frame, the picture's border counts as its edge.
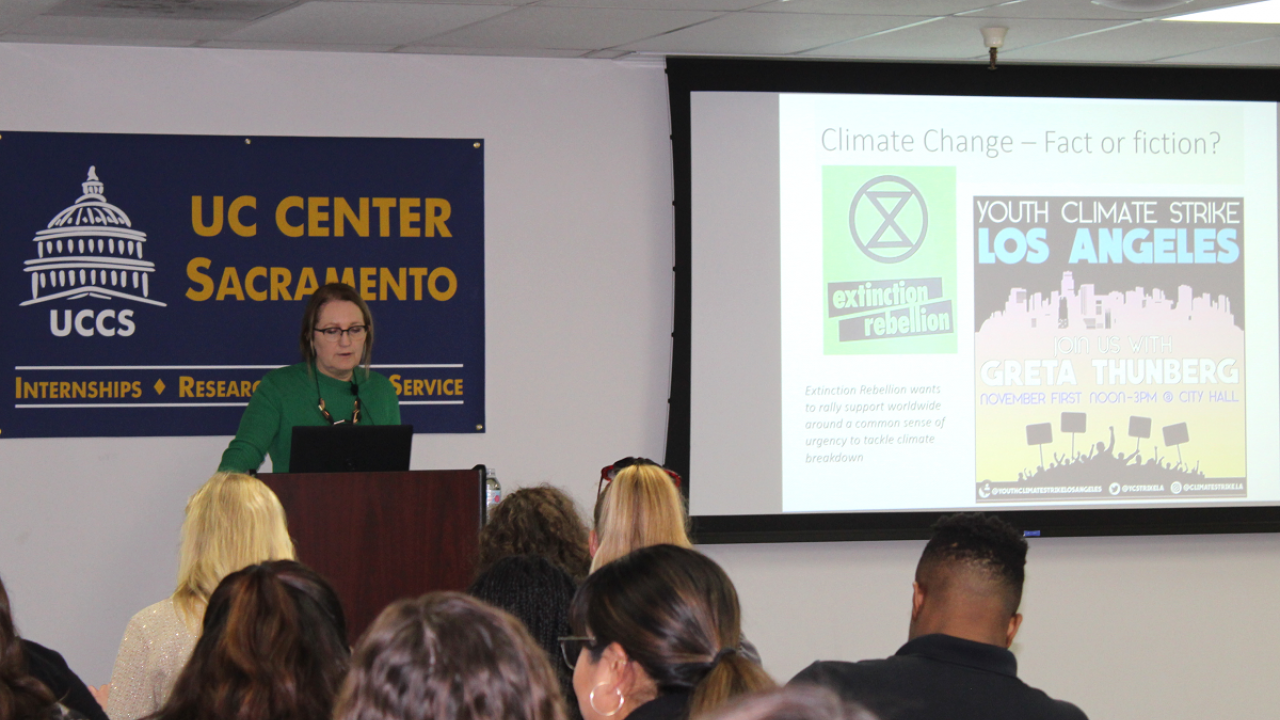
(578, 194)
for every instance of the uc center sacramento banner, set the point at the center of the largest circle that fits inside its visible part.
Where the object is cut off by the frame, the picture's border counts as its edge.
(152, 280)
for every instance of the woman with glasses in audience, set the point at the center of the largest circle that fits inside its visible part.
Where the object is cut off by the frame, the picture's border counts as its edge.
(657, 635)
(273, 647)
(232, 521)
(332, 385)
(638, 504)
(446, 656)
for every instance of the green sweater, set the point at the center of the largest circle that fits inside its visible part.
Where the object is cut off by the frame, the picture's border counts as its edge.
(287, 397)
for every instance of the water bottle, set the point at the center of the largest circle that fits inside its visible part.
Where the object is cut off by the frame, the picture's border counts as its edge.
(492, 490)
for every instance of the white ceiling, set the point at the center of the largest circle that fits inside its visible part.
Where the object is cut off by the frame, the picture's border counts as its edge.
(1063, 31)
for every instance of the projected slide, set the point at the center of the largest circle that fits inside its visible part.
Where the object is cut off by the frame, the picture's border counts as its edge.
(1026, 302)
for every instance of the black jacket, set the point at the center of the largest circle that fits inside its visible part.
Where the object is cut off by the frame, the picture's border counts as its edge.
(937, 677)
(48, 667)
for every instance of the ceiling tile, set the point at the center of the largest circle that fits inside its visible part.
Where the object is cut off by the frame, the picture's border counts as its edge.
(92, 40)
(1086, 10)
(493, 52)
(1258, 52)
(363, 23)
(958, 38)
(325, 47)
(569, 28)
(125, 28)
(16, 12)
(1143, 41)
(242, 10)
(768, 33)
(916, 8)
(707, 5)
(1042, 31)
(506, 3)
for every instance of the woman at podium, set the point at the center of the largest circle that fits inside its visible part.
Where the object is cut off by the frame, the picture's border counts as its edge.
(332, 385)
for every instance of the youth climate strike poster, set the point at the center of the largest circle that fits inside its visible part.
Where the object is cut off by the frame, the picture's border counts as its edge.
(152, 280)
(1109, 344)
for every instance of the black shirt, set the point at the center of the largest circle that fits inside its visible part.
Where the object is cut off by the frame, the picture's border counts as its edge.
(673, 706)
(940, 676)
(48, 667)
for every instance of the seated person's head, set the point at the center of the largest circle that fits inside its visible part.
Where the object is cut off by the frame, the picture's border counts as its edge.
(662, 620)
(639, 507)
(793, 702)
(536, 521)
(232, 521)
(446, 656)
(538, 594)
(273, 647)
(21, 695)
(969, 580)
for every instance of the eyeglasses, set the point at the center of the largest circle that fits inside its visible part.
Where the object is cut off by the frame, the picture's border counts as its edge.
(571, 648)
(355, 332)
(609, 472)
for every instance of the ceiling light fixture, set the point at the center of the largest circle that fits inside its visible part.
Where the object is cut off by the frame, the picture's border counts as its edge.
(1255, 12)
(993, 39)
(1140, 6)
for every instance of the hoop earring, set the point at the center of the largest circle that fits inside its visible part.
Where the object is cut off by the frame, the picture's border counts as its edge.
(591, 700)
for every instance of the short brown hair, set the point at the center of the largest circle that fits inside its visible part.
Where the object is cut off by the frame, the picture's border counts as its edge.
(992, 549)
(329, 293)
(446, 656)
(540, 521)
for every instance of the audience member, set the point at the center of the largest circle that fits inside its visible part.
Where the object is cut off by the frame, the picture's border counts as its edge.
(657, 638)
(445, 656)
(35, 682)
(964, 616)
(793, 702)
(539, 521)
(538, 594)
(638, 504)
(273, 647)
(232, 521)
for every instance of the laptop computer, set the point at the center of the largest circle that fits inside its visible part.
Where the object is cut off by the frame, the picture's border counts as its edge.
(350, 448)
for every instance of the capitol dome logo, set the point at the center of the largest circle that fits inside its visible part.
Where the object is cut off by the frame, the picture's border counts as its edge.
(90, 250)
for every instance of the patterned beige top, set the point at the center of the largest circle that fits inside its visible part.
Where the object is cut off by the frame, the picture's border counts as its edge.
(155, 648)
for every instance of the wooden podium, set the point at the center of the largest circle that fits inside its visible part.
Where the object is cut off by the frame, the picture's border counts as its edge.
(378, 537)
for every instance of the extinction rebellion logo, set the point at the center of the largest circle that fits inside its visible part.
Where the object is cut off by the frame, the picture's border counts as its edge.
(880, 203)
(90, 250)
(892, 227)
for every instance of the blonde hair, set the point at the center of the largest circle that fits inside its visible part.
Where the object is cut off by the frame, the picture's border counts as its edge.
(641, 507)
(233, 521)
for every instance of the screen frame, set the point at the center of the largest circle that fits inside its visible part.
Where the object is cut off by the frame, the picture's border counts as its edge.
(686, 75)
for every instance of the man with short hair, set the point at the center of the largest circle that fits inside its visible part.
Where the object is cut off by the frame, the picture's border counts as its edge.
(964, 615)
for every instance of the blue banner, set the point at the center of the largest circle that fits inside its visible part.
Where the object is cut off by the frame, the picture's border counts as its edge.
(154, 279)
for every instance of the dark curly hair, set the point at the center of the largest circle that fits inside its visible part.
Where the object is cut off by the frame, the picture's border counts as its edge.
(538, 594)
(540, 521)
(982, 543)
